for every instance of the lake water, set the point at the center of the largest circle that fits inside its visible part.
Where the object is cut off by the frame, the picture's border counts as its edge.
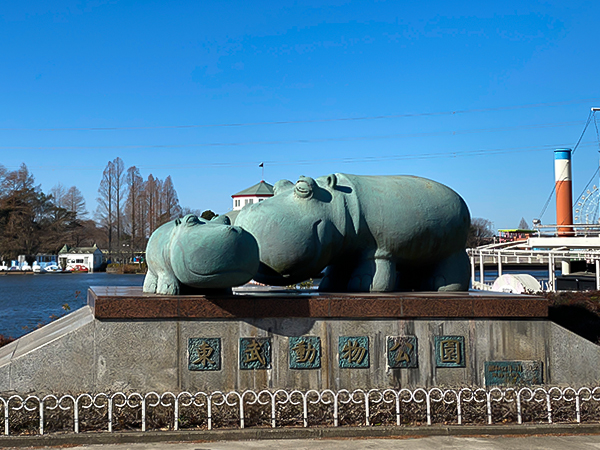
(28, 300)
(491, 275)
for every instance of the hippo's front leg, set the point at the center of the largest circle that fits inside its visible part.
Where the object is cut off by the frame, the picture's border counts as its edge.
(167, 284)
(384, 279)
(150, 282)
(375, 274)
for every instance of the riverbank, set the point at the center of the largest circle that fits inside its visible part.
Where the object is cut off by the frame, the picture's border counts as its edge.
(27, 302)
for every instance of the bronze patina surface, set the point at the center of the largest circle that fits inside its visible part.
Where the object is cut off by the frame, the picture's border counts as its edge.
(195, 255)
(372, 233)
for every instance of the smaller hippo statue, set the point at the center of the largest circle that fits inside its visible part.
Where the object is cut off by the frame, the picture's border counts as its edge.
(191, 255)
(369, 233)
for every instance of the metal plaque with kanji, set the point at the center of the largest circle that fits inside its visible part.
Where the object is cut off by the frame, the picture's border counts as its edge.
(449, 351)
(354, 352)
(204, 354)
(255, 353)
(513, 373)
(402, 352)
(305, 352)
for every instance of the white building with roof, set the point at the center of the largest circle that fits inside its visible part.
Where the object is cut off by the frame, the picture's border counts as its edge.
(253, 194)
(91, 257)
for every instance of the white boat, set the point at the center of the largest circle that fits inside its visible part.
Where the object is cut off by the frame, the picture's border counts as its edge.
(53, 268)
(37, 268)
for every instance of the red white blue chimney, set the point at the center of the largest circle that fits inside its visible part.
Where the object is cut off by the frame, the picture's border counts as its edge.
(564, 191)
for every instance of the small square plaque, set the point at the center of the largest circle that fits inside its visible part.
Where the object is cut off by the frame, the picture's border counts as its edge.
(354, 352)
(305, 352)
(449, 351)
(255, 353)
(204, 354)
(513, 373)
(402, 352)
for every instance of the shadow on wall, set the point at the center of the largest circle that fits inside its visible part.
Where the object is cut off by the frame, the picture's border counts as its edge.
(578, 319)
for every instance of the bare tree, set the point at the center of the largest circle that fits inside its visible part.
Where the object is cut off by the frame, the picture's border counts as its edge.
(74, 202)
(480, 233)
(185, 210)
(105, 211)
(58, 192)
(152, 204)
(18, 180)
(110, 202)
(170, 202)
(133, 205)
(118, 194)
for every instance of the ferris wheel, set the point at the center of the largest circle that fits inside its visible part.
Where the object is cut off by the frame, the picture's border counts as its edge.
(587, 210)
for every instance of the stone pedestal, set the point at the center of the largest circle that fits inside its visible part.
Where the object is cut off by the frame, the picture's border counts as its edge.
(127, 340)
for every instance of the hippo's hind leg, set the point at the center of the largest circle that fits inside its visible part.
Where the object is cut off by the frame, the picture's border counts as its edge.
(450, 274)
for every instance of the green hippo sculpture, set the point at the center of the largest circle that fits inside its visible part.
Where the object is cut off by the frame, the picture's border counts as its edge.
(369, 233)
(191, 255)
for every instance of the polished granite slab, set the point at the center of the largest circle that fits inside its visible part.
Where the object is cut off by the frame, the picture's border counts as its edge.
(125, 302)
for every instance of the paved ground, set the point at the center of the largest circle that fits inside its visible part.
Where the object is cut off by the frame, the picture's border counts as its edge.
(425, 443)
(473, 437)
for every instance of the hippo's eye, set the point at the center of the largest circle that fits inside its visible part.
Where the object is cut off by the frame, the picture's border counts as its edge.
(303, 189)
(191, 220)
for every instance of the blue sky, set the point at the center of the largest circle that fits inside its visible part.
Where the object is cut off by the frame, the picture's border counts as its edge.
(84, 82)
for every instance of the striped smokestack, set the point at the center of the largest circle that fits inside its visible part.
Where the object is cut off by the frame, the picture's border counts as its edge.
(564, 192)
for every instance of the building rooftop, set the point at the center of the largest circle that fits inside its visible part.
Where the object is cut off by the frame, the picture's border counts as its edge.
(68, 249)
(262, 188)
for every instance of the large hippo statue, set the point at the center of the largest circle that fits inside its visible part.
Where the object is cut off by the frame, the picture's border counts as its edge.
(372, 233)
(192, 255)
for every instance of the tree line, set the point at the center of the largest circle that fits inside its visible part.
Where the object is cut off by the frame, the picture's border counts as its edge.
(129, 209)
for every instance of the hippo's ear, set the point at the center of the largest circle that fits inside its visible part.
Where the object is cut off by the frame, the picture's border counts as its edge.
(282, 185)
(221, 219)
(332, 180)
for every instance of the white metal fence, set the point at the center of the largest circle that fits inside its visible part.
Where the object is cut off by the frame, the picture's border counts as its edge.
(361, 402)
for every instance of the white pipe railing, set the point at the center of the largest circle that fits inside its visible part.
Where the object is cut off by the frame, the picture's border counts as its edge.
(336, 402)
(578, 230)
(482, 256)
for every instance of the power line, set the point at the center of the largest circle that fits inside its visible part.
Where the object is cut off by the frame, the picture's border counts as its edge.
(348, 160)
(307, 121)
(294, 141)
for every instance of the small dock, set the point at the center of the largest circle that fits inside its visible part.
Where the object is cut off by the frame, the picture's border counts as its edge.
(550, 247)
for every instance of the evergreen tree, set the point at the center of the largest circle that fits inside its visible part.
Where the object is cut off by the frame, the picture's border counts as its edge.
(523, 224)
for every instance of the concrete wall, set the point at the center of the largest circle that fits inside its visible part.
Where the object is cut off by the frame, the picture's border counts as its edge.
(80, 353)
